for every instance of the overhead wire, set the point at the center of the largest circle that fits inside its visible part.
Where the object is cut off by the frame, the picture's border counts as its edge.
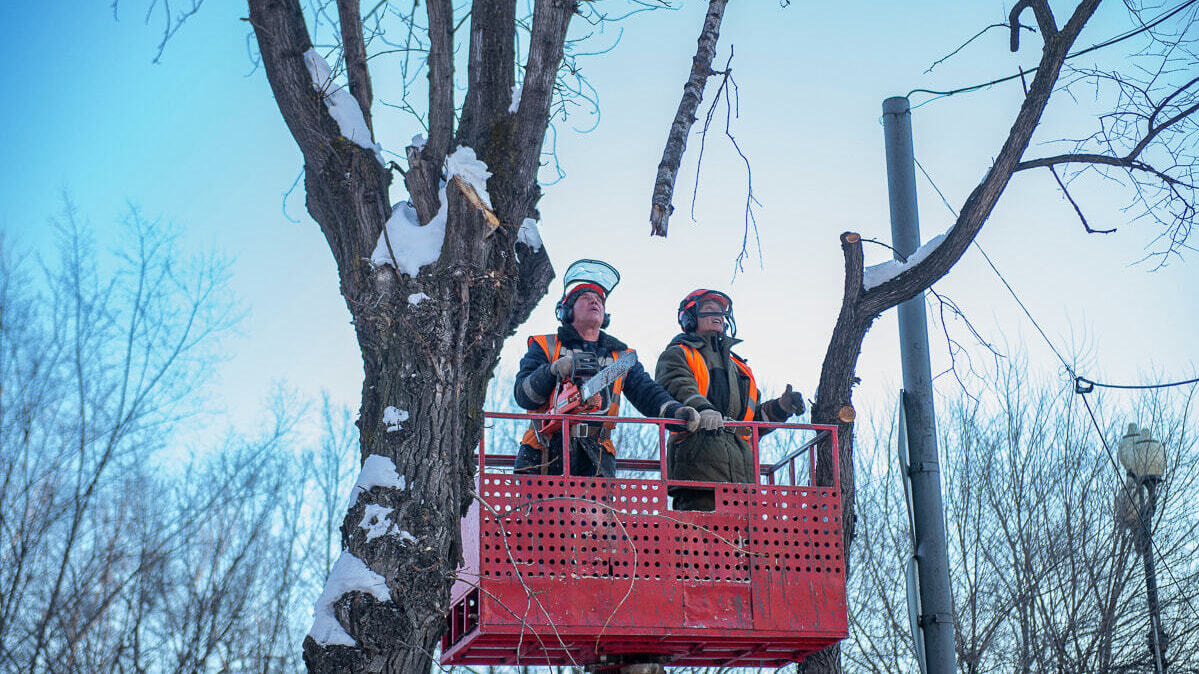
(1099, 45)
(1079, 388)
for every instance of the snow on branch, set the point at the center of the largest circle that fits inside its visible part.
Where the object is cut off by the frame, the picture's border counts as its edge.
(343, 107)
(878, 274)
(406, 244)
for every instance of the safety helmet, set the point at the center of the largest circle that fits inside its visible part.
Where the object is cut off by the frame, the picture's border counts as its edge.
(585, 276)
(689, 309)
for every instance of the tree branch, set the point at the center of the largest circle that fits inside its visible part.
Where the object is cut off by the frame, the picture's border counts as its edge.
(1045, 21)
(982, 200)
(354, 49)
(441, 80)
(423, 178)
(1090, 158)
(551, 18)
(1077, 209)
(676, 140)
(352, 207)
(491, 77)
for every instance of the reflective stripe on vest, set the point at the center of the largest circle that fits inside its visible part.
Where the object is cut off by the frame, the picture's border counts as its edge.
(553, 350)
(699, 370)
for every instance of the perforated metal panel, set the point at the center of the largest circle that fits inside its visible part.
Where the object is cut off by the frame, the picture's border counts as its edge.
(573, 570)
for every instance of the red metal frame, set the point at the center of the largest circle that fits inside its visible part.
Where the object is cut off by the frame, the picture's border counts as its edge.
(569, 570)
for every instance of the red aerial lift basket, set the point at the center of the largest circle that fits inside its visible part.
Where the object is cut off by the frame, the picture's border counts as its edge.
(584, 571)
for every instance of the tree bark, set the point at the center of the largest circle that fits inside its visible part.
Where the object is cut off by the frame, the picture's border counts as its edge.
(432, 359)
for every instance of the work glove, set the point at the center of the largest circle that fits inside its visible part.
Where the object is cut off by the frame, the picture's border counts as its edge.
(689, 416)
(564, 366)
(791, 402)
(711, 420)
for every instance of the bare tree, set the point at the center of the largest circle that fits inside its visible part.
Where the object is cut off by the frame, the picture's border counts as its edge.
(429, 321)
(117, 553)
(1163, 120)
(1044, 576)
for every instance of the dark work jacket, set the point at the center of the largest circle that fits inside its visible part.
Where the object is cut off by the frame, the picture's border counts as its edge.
(711, 456)
(535, 382)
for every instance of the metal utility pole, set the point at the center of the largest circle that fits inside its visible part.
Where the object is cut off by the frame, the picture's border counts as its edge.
(936, 619)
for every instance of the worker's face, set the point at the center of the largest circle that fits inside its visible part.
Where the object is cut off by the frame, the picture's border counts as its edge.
(589, 311)
(711, 317)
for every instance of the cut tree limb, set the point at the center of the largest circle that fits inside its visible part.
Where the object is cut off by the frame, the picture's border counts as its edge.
(676, 140)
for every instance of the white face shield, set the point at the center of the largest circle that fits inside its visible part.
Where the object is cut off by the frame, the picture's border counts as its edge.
(600, 273)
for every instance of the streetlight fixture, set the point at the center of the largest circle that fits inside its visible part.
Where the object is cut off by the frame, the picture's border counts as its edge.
(1144, 459)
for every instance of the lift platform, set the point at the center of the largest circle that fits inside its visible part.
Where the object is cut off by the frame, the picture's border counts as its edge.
(597, 572)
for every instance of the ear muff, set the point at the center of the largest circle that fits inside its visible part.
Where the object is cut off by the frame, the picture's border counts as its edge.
(687, 319)
(565, 313)
(689, 310)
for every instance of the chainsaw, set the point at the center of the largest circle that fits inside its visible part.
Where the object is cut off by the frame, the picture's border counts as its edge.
(585, 390)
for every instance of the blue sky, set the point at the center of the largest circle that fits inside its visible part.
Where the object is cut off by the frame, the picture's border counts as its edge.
(197, 141)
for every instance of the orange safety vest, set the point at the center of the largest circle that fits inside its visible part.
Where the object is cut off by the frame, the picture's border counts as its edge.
(699, 369)
(553, 349)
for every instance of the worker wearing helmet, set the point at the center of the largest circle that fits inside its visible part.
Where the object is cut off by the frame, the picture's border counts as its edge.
(699, 369)
(581, 312)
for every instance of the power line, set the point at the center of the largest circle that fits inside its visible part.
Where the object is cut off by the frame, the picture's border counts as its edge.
(1106, 43)
(1078, 381)
(1081, 382)
(995, 269)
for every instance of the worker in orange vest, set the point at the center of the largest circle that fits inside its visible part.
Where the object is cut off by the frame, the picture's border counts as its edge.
(581, 312)
(699, 369)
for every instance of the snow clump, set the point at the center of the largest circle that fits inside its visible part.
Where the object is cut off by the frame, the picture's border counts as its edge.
(464, 164)
(393, 417)
(375, 521)
(879, 274)
(529, 234)
(516, 91)
(415, 246)
(342, 106)
(349, 574)
(377, 471)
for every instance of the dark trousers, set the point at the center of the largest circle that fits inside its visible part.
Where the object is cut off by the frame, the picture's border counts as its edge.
(587, 458)
(686, 498)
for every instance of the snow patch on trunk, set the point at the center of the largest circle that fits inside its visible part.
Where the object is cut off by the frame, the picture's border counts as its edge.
(416, 298)
(393, 417)
(377, 471)
(375, 521)
(414, 246)
(516, 91)
(529, 234)
(876, 275)
(349, 574)
(342, 105)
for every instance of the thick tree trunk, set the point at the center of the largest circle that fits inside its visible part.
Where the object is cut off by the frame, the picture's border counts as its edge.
(430, 359)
